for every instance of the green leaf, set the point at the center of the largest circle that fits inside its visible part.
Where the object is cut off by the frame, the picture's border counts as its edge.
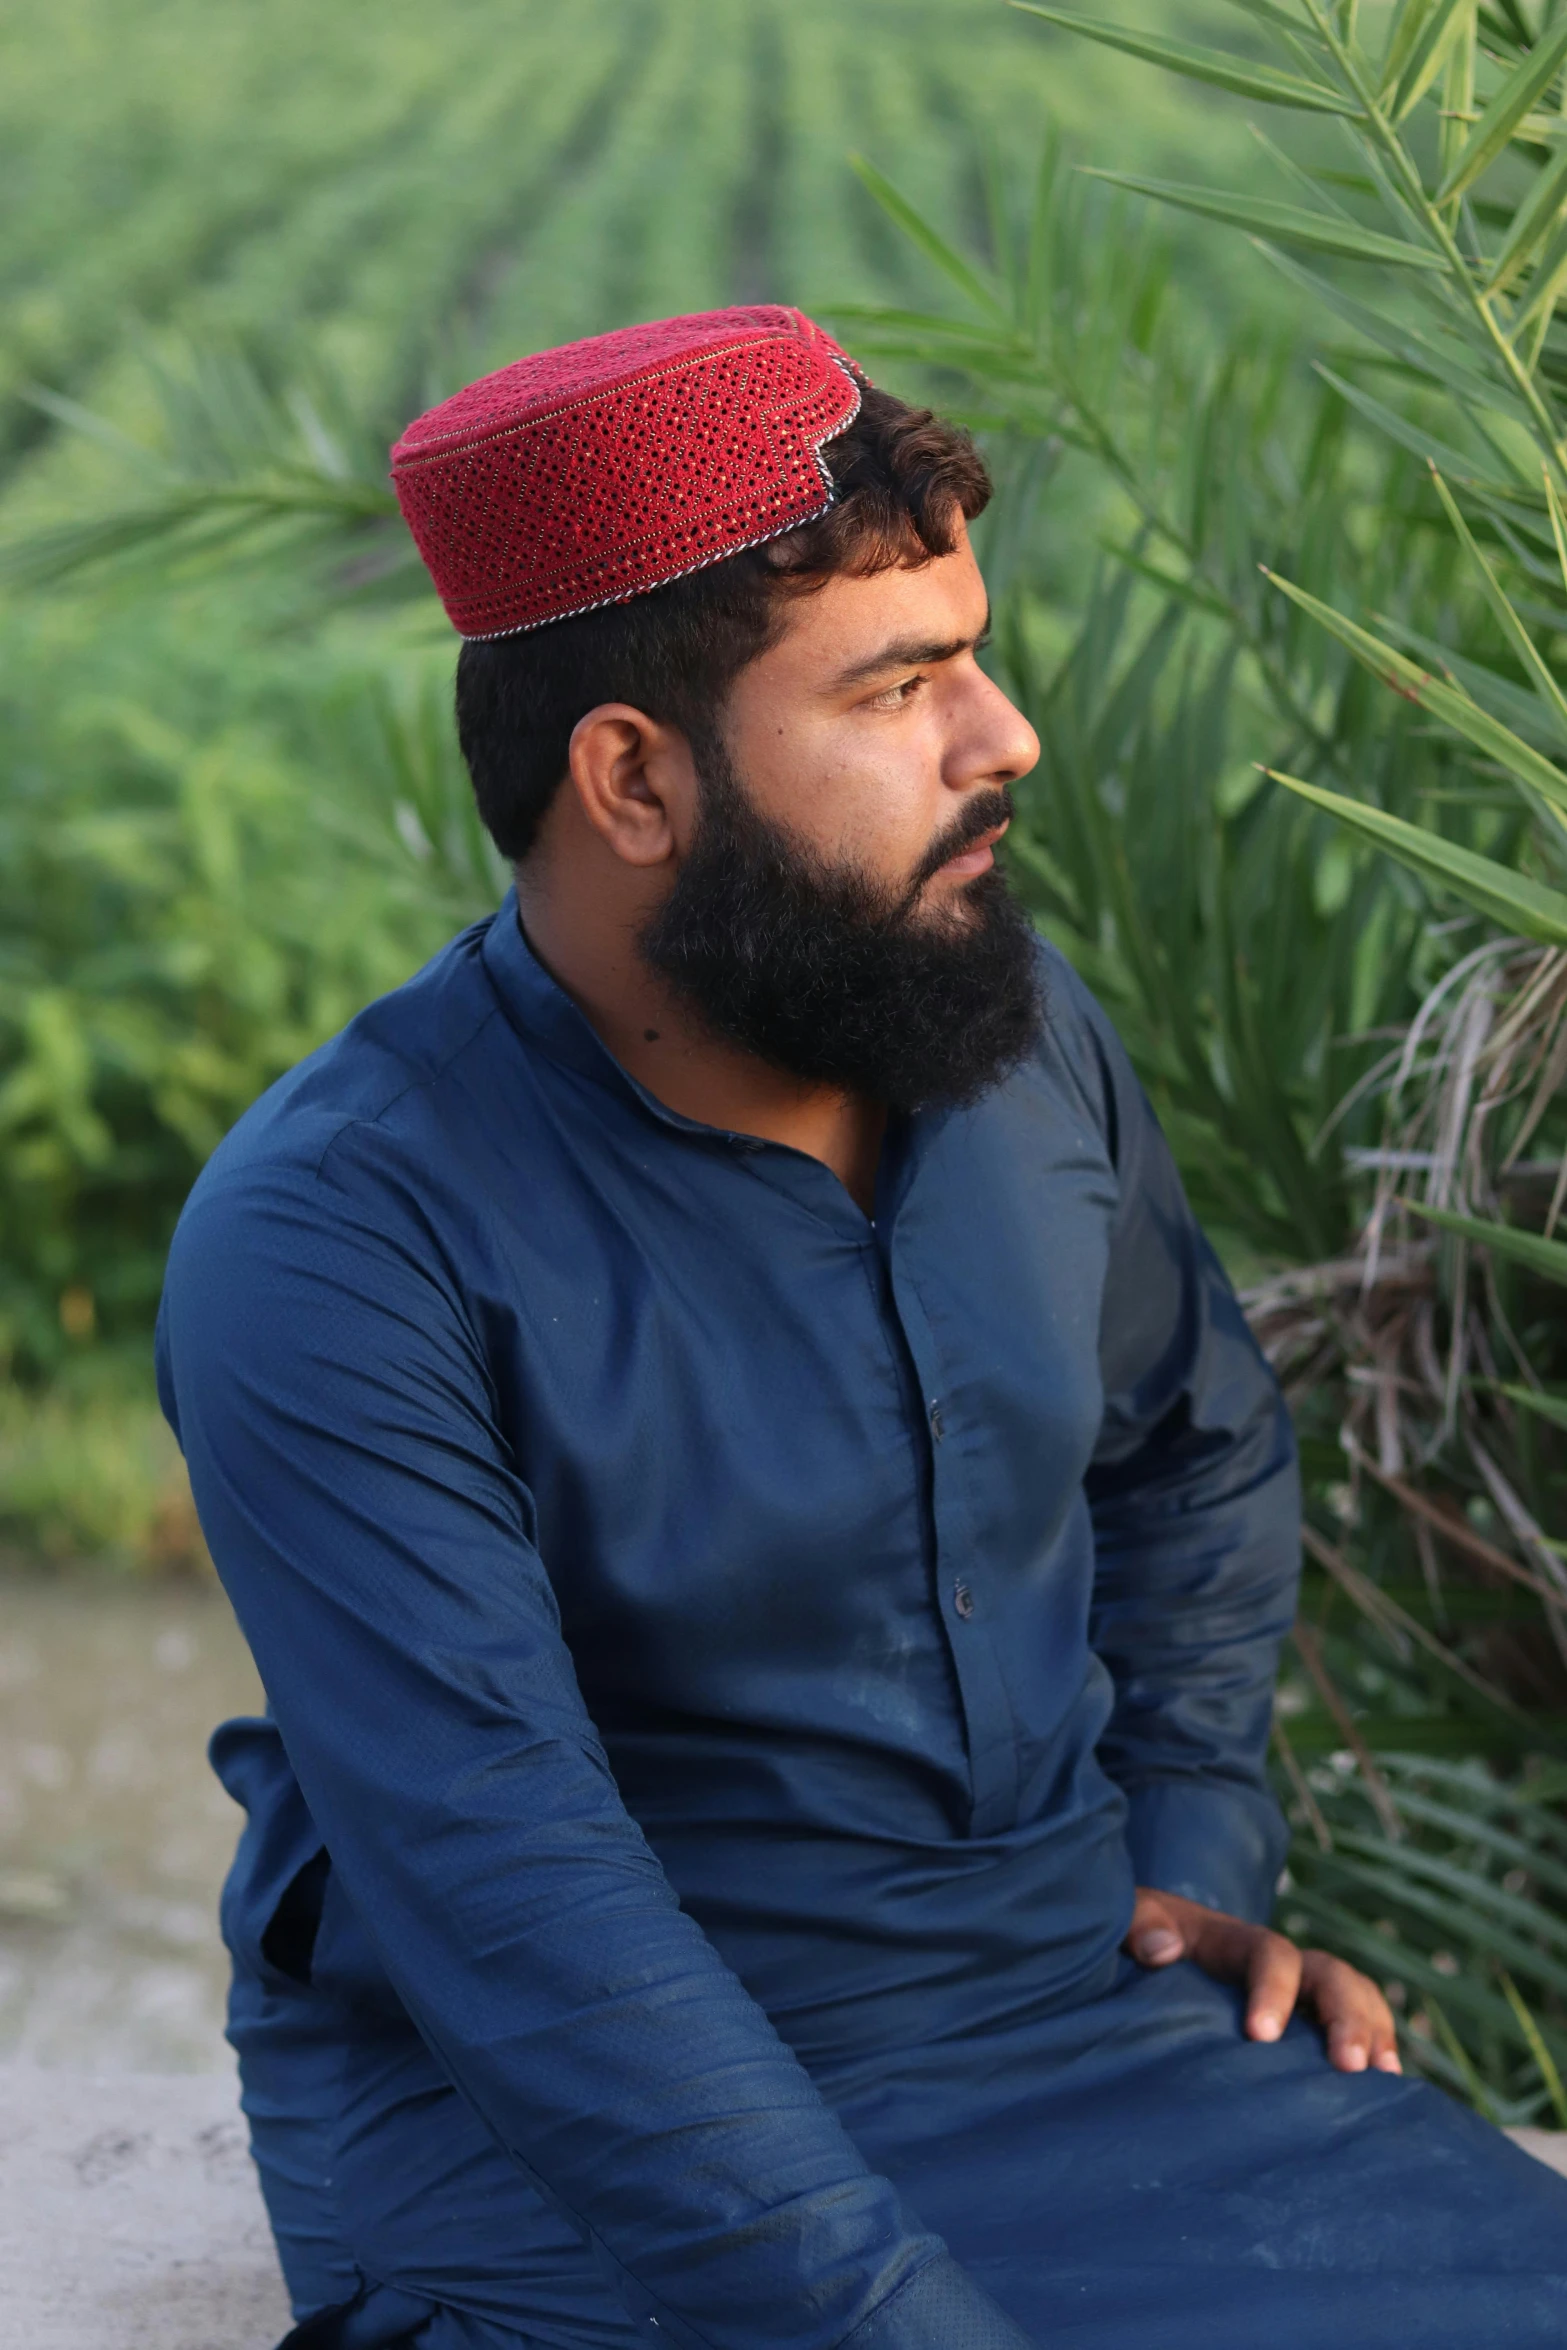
(1548, 1258)
(1458, 108)
(131, 453)
(1553, 507)
(1474, 2087)
(927, 324)
(1430, 54)
(1502, 896)
(1471, 1826)
(933, 245)
(1395, 335)
(198, 522)
(1513, 704)
(1545, 286)
(1266, 13)
(1429, 1888)
(1548, 1407)
(1408, 19)
(1214, 66)
(1544, 2061)
(1446, 702)
(1545, 685)
(1191, 591)
(1320, 232)
(1531, 224)
(1518, 93)
(1398, 1867)
(1409, 436)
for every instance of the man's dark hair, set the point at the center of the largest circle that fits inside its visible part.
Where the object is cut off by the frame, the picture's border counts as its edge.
(902, 478)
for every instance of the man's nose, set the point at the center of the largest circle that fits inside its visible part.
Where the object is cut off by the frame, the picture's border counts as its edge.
(1005, 747)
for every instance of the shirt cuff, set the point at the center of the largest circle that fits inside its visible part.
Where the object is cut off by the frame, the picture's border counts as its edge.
(940, 2308)
(1212, 1840)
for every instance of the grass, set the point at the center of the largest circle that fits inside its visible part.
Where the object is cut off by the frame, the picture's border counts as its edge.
(89, 1470)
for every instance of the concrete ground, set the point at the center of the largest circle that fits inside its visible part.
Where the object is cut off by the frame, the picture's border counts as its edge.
(130, 2217)
(114, 1834)
(130, 2220)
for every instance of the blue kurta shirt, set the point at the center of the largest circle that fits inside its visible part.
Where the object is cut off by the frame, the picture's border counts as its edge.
(726, 1643)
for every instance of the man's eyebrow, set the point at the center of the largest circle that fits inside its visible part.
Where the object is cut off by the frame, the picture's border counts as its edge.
(910, 653)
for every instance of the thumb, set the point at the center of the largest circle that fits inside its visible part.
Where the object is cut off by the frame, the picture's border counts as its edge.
(1154, 1938)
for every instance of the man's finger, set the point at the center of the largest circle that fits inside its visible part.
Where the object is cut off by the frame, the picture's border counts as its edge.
(1273, 1985)
(1154, 1936)
(1384, 2049)
(1356, 2020)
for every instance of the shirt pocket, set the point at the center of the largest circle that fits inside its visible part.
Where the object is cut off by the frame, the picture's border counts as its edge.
(271, 1905)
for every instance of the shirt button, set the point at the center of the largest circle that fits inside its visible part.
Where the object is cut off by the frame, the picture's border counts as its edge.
(938, 1426)
(963, 1600)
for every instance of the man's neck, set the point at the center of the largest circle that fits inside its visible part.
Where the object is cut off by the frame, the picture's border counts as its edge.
(666, 1047)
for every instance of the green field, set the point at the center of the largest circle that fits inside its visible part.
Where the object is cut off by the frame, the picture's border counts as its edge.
(199, 873)
(511, 176)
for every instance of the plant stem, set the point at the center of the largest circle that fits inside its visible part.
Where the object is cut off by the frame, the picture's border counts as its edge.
(1404, 165)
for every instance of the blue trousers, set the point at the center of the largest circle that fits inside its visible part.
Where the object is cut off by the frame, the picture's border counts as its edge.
(1134, 2172)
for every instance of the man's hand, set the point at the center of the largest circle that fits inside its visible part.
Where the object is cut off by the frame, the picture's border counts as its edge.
(1355, 2018)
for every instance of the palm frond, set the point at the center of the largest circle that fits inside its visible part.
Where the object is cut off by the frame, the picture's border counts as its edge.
(251, 461)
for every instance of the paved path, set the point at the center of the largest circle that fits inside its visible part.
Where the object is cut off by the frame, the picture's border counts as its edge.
(114, 1835)
(130, 2217)
(130, 2220)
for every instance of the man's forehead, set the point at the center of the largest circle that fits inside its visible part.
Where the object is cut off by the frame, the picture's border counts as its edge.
(851, 628)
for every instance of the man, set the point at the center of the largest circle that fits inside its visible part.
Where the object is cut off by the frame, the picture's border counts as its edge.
(758, 1515)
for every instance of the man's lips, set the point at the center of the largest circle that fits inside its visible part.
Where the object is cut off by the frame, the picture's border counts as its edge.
(978, 857)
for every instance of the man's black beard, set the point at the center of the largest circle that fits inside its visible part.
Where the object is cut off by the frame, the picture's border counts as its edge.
(820, 971)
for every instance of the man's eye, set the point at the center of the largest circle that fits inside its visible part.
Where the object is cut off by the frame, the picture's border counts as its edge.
(897, 696)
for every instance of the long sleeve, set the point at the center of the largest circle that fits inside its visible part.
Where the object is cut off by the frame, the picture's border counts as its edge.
(335, 1405)
(1196, 1511)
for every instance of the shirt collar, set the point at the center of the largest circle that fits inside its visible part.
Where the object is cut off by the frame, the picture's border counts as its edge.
(544, 1015)
(539, 1007)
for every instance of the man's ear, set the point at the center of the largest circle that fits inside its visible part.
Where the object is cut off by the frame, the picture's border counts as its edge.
(636, 782)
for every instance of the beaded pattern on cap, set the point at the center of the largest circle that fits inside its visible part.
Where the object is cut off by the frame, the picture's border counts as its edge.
(588, 475)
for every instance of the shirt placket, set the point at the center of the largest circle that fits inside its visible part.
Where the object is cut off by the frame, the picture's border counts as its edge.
(963, 1581)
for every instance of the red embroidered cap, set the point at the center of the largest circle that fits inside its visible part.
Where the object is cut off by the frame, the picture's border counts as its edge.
(589, 474)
